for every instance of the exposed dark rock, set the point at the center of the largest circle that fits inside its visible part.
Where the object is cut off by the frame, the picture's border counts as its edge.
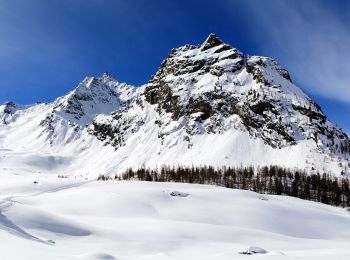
(257, 74)
(211, 42)
(261, 107)
(261, 110)
(200, 105)
(311, 113)
(224, 47)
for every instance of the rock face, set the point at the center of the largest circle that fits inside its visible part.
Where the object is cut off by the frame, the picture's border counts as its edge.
(207, 104)
(8, 110)
(212, 88)
(93, 96)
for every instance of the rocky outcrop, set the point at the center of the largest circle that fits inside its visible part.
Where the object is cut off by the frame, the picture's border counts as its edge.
(212, 88)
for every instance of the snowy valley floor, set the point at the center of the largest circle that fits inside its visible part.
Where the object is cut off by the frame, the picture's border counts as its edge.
(70, 219)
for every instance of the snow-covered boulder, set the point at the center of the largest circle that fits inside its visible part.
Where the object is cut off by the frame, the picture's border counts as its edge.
(254, 250)
(178, 194)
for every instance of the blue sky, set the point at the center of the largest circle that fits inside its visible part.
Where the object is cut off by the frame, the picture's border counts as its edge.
(48, 47)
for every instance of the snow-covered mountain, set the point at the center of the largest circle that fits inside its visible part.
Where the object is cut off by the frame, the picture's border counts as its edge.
(207, 104)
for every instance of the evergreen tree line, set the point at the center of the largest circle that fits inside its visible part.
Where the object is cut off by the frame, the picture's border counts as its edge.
(274, 180)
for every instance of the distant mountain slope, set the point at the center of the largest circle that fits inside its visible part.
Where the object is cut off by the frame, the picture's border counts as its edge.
(206, 104)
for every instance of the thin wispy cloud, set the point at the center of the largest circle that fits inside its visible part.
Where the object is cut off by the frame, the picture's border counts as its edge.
(310, 39)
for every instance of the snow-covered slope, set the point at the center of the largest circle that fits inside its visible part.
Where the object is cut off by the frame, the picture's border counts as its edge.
(211, 104)
(207, 104)
(94, 96)
(52, 137)
(67, 219)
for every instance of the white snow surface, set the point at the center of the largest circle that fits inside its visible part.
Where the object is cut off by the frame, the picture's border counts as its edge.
(74, 219)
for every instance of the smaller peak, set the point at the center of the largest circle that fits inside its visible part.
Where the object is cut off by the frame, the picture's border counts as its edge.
(213, 37)
(10, 103)
(107, 75)
(9, 107)
(211, 41)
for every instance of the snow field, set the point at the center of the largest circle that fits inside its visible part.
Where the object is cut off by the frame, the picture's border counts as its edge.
(68, 219)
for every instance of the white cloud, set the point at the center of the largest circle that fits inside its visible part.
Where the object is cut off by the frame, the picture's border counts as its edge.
(310, 39)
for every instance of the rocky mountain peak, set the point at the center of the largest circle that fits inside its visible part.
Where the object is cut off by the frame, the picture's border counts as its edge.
(9, 107)
(93, 96)
(201, 97)
(8, 111)
(214, 88)
(211, 42)
(106, 77)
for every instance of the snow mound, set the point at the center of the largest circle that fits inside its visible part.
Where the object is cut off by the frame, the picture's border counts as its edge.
(178, 194)
(263, 198)
(254, 250)
(97, 256)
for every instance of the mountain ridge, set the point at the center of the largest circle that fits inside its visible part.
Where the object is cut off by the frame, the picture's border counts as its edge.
(206, 104)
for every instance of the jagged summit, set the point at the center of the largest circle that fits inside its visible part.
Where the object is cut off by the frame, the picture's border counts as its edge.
(93, 96)
(215, 90)
(210, 42)
(106, 76)
(8, 110)
(9, 107)
(207, 104)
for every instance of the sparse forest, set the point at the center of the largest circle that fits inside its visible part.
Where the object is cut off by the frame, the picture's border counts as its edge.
(274, 180)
